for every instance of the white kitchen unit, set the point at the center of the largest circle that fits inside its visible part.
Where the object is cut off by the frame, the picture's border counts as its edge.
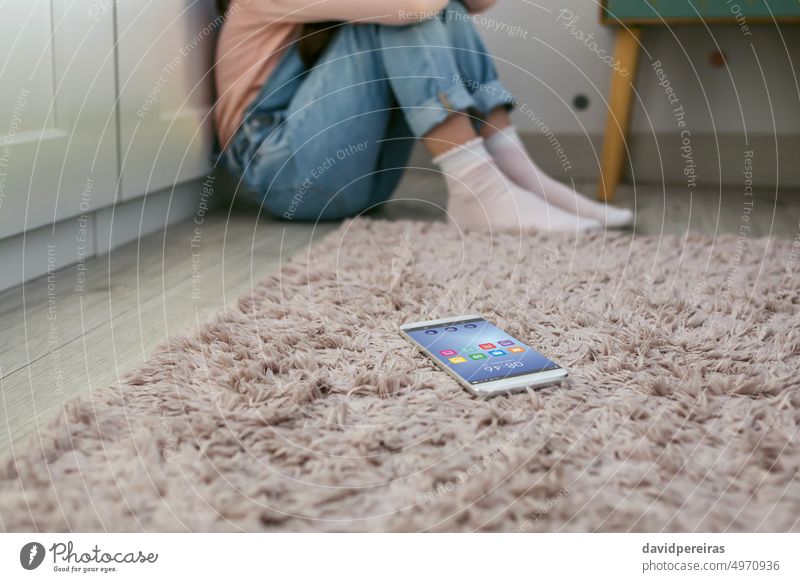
(104, 104)
(165, 91)
(58, 128)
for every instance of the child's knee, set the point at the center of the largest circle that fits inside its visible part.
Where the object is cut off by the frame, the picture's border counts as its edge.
(355, 38)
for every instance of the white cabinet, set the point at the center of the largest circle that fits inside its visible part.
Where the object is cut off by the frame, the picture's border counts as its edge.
(165, 49)
(101, 102)
(58, 138)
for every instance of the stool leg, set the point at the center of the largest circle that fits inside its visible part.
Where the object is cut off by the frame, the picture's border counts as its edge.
(626, 53)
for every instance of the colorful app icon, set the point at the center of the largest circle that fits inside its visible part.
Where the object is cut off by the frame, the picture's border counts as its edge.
(516, 350)
(478, 356)
(497, 353)
(486, 346)
(457, 360)
(506, 343)
(470, 350)
(431, 332)
(451, 329)
(448, 352)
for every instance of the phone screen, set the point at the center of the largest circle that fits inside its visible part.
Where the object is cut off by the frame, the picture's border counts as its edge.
(478, 351)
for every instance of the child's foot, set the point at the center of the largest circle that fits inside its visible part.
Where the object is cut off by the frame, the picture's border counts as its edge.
(509, 154)
(480, 196)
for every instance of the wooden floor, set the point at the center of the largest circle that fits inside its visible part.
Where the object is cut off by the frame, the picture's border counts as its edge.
(56, 345)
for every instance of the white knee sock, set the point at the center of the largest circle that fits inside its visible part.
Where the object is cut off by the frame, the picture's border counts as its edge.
(480, 196)
(509, 154)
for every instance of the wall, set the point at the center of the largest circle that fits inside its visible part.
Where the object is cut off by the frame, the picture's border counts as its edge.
(547, 66)
(545, 62)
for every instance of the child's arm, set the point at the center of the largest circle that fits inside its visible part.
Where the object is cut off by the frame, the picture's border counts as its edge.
(397, 12)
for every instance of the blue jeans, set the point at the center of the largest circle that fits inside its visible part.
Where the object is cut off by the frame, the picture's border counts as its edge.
(333, 141)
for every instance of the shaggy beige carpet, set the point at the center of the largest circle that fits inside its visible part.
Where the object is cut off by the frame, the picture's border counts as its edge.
(301, 408)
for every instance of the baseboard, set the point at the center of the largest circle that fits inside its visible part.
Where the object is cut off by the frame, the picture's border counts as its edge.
(134, 219)
(44, 250)
(718, 160)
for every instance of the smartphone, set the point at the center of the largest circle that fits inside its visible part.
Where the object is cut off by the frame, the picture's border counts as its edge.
(481, 357)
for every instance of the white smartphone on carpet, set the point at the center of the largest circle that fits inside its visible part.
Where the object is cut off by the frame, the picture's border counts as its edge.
(481, 357)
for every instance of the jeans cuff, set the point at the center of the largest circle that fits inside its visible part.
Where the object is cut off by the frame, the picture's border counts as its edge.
(427, 115)
(489, 96)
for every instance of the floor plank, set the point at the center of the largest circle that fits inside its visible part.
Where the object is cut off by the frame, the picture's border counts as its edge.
(124, 318)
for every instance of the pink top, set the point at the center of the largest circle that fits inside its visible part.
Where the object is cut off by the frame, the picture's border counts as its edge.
(257, 32)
